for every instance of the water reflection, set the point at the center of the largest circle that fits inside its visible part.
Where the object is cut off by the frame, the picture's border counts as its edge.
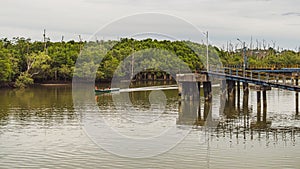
(47, 105)
(39, 129)
(235, 120)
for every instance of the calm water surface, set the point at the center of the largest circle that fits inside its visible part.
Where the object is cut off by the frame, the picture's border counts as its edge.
(39, 128)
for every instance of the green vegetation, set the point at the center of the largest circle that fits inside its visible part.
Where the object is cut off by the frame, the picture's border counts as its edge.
(23, 62)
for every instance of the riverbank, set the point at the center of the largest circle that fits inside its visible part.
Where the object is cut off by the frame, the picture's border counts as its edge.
(11, 85)
(7, 85)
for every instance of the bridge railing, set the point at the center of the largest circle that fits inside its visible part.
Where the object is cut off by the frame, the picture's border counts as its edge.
(253, 75)
(266, 67)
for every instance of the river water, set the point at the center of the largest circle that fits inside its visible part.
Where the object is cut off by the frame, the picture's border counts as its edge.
(41, 127)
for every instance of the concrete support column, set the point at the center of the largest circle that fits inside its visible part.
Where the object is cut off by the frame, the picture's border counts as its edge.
(189, 91)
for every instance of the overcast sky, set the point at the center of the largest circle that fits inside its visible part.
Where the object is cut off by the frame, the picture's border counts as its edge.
(226, 20)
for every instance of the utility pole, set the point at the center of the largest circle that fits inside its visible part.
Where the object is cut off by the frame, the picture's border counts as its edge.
(45, 41)
(207, 65)
(132, 63)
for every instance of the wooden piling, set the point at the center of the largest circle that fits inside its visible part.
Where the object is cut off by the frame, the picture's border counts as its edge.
(245, 102)
(238, 94)
(258, 106)
(229, 88)
(245, 87)
(264, 106)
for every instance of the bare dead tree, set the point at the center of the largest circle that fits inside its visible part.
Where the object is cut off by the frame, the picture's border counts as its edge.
(273, 43)
(251, 43)
(230, 47)
(264, 44)
(257, 44)
(227, 46)
(235, 47)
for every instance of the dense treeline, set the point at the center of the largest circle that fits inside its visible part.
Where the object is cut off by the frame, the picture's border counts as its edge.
(23, 62)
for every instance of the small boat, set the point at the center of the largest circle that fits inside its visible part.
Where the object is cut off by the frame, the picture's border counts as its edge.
(107, 90)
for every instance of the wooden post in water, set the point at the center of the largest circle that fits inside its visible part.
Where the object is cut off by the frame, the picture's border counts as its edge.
(245, 109)
(264, 106)
(229, 88)
(245, 87)
(238, 95)
(245, 102)
(258, 106)
(233, 93)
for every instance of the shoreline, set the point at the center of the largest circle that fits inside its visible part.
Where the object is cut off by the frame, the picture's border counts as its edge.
(54, 84)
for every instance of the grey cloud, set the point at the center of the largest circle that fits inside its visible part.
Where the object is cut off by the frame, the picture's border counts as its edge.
(224, 19)
(291, 14)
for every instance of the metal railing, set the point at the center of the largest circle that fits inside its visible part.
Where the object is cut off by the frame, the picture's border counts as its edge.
(271, 78)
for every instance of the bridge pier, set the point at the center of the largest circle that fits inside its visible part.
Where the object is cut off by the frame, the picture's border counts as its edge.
(264, 98)
(189, 86)
(190, 91)
(188, 112)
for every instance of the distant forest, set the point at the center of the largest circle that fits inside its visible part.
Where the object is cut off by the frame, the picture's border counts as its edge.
(24, 62)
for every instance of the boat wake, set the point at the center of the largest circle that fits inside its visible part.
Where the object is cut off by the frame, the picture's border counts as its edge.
(169, 87)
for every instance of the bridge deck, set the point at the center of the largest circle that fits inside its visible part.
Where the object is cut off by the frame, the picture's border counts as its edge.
(259, 78)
